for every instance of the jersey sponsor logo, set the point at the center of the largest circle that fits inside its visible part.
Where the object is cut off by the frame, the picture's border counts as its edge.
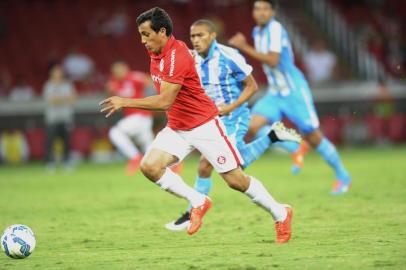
(161, 65)
(172, 65)
(221, 160)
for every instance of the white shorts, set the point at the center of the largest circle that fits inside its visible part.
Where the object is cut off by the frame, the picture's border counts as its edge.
(139, 127)
(209, 139)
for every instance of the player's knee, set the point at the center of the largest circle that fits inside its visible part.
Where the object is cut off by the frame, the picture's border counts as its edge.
(314, 138)
(239, 184)
(205, 169)
(151, 170)
(235, 185)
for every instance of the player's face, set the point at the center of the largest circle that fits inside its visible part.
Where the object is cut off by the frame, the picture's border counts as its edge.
(201, 38)
(262, 12)
(152, 40)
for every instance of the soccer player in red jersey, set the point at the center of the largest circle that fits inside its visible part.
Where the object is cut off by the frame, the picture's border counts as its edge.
(193, 123)
(136, 124)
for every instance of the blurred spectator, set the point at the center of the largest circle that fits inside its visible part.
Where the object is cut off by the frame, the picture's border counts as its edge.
(78, 66)
(21, 91)
(117, 25)
(59, 95)
(5, 81)
(320, 63)
(13, 147)
(94, 25)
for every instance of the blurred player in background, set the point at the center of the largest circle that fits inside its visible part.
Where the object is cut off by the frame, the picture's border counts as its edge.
(227, 80)
(289, 94)
(136, 125)
(193, 123)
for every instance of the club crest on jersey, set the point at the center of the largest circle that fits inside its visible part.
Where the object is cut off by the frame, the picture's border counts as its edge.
(221, 160)
(161, 65)
(156, 78)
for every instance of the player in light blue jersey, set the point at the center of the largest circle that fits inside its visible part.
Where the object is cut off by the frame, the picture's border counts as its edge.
(227, 80)
(289, 94)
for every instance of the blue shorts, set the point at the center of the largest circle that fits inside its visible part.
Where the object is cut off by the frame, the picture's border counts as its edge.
(298, 107)
(237, 127)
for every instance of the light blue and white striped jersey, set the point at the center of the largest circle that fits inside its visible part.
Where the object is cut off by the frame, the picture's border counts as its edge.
(222, 73)
(286, 77)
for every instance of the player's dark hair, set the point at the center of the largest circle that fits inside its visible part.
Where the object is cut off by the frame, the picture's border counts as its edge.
(209, 24)
(159, 19)
(273, 3)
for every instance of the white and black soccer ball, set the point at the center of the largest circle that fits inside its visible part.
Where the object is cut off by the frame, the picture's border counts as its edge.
(18, 241)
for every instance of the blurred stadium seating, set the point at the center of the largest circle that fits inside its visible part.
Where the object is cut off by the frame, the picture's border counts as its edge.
(37, 34)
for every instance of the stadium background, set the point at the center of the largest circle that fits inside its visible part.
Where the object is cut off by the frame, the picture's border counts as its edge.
(362, 103)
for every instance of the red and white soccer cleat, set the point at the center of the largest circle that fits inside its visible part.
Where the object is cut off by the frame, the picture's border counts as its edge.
(284, 228)
(196, 216)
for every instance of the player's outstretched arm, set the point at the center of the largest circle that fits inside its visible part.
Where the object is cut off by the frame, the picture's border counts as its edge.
(239, 41)
(161, 102)
(250, 87)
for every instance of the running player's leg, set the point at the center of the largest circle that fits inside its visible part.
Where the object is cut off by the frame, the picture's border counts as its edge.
(254, 189)
(121, 138)
(136, 127)
(253, 150)
(276, 133)
(330, 154)
(249, 152)
(203, 184)
(303, 113)
(267, 111)
(161, 155)
(142, 132)
(226, 160)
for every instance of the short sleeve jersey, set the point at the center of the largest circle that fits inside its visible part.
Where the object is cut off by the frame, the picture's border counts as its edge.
(132, 86)
(192, 107)
(222, 72)
(283, 78)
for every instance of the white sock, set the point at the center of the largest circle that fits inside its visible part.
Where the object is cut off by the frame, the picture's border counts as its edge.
(173, 183)
(259, 195)
(123, 143)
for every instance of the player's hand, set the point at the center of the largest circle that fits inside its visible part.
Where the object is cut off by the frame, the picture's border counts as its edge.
(238, 40)
(111, 105)
(224, 108)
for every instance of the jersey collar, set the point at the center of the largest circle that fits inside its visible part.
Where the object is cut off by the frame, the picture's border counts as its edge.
(212, 49)
(167, 47)
(267, 24)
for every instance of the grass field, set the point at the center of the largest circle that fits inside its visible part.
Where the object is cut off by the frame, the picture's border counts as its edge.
(97, 218)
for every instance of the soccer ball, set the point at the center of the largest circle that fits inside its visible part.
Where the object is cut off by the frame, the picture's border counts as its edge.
(18, 241)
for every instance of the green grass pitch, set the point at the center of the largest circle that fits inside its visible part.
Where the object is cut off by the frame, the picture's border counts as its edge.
(98, 218)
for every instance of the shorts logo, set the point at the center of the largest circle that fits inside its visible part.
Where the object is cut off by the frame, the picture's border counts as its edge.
(221, 160)
(161, 65)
